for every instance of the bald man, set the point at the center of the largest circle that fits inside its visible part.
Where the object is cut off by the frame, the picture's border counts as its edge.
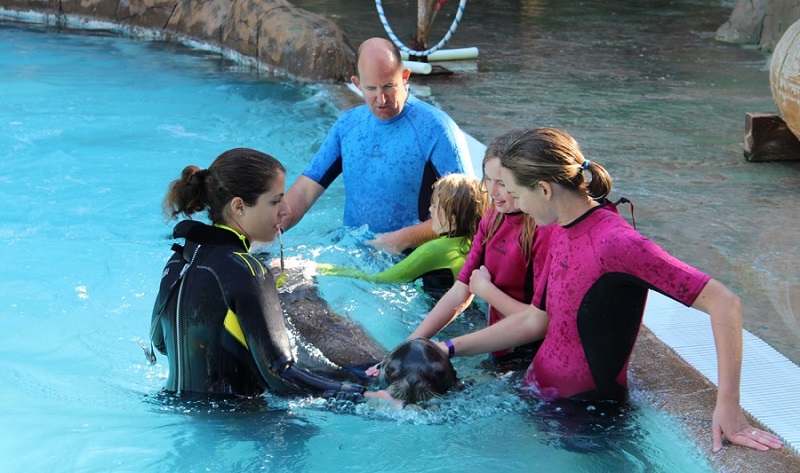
(389, 152)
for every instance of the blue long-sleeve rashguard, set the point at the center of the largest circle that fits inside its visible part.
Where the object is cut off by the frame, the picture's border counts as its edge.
(389, 166)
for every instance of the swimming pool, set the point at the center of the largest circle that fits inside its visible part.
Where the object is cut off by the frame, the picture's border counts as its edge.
(94, 126)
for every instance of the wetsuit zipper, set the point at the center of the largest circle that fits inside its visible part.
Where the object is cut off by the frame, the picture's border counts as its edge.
(178, 344)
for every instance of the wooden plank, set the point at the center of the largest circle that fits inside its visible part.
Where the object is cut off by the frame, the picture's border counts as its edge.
(768, 138)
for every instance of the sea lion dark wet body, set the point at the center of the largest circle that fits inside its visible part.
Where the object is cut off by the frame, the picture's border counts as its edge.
(342, 341)
(415, 371)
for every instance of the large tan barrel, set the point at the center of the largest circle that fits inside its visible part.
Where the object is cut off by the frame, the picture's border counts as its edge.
(784, 77)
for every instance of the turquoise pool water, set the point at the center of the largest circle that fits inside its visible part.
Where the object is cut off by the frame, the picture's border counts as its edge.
(92, 128)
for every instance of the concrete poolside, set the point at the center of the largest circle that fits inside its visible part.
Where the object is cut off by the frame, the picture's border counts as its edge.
(684, 392)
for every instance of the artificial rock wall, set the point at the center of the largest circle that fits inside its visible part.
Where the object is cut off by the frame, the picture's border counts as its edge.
(309, 46)
(275, 32)
(760, 22)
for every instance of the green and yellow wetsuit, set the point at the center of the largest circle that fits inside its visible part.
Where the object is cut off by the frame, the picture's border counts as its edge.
(437, 262)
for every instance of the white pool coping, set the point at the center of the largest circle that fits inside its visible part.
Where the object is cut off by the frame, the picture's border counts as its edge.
(770, 383)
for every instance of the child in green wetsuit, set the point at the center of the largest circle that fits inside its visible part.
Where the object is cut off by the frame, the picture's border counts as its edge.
(457, 205)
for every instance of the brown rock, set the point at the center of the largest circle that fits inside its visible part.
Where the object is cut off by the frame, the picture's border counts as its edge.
(759, 22)
(279, 35)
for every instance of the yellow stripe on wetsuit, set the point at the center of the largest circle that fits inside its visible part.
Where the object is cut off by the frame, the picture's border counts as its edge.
(250, 261)
(231, 324)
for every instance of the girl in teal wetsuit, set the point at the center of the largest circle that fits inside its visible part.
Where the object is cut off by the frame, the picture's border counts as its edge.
(457, 205)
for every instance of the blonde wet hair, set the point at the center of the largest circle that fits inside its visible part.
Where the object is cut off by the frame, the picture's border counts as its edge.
(462, 202)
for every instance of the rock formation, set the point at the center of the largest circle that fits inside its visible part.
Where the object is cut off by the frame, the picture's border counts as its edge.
(784, 77)
(276, 33)
(760, 22)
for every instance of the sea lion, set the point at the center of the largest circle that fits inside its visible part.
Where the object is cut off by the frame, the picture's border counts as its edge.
(347, 348)
(417, 371)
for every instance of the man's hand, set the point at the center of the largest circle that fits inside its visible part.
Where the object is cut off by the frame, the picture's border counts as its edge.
(400, 240)
(386, 242)
(386, 397)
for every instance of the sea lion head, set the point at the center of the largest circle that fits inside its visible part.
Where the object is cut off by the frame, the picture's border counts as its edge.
(416, 371)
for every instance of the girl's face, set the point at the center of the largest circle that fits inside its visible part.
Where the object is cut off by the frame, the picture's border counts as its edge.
(260, 222)
(503, 201)
(438, 219)
(531, 201)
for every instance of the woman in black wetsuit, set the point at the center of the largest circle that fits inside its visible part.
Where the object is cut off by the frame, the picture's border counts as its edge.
(217, 316)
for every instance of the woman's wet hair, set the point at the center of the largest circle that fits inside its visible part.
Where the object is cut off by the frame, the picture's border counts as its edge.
(552, 155)
(462, 202)
(239, 172)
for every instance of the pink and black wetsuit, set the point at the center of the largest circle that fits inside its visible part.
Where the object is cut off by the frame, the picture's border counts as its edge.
(598, 273)
(503, 257)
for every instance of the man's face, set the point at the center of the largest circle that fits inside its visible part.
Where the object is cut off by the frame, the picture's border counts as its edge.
(384, 89)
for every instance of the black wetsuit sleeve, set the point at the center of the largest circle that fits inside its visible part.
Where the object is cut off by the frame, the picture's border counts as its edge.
(322, 386)
(167, 290)
(157, 334)
(261, 318)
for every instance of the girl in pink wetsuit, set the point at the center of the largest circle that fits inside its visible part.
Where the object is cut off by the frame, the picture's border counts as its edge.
(498, 267)
(501, 264)
(593, 288)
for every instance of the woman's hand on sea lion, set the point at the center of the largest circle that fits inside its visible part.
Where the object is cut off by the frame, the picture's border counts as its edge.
(295, 262)
(442, 346)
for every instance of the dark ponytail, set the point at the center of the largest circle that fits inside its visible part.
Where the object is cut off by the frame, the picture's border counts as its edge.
(239, 172)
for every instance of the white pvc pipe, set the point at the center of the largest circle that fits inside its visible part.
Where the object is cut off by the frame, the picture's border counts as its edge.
(449, 54)
(418, 67)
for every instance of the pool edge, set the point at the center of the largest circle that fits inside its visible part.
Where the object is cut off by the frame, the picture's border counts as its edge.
(676, 386)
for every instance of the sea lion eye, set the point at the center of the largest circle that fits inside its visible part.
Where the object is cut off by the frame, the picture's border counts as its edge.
(390, 368)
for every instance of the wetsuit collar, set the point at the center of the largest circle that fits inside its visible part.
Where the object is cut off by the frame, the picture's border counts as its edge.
(603, 203)
(201, 233)
(241, 236)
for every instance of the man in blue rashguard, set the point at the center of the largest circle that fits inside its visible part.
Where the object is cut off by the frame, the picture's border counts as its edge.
(389, 151)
